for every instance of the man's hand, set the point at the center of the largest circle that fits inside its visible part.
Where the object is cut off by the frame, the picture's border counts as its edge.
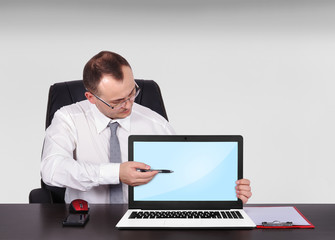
(243, 190)
(129, 175)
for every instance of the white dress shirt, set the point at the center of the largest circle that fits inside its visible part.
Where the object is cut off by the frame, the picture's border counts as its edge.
(76, 149)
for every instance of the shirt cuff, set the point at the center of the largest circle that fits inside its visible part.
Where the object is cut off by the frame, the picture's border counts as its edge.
(109, 173)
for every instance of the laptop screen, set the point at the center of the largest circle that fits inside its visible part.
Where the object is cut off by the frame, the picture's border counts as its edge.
(203, 168)
(202, 171)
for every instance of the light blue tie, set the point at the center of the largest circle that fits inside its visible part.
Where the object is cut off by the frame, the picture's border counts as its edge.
(115, 157)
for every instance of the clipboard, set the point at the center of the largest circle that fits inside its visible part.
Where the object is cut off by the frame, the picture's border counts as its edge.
(278, 217)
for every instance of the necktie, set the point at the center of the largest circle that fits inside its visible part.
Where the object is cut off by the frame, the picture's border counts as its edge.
(115, 157)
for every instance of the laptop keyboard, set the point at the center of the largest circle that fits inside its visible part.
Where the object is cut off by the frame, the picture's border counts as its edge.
(187, 214)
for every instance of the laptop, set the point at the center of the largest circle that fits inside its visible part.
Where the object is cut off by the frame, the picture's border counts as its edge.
(195, 187)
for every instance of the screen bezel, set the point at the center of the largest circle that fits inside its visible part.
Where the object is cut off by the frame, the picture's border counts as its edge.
(191, 205)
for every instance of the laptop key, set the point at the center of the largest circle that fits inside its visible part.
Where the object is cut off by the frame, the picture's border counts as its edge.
(234, 215)
(189, 214)
(224, 215)
(215, 215)
(229, 214)
(152, 215)
(133, 215)
(183, 215)
(206, 215)
(140, 215)
(239, 215)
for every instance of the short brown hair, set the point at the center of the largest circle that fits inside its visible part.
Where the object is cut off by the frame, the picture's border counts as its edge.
(104, 63)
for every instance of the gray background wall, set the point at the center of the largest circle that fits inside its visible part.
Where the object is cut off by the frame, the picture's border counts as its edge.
(263, 69)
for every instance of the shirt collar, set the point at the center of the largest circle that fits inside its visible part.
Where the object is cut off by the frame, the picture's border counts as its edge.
(101, 121)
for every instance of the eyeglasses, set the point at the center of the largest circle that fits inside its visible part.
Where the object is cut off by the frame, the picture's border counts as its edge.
(120, 105)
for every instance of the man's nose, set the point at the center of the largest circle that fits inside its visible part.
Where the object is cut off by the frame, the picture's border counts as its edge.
(128, 101)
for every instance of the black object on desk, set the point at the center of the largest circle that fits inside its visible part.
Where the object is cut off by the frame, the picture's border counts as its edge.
(79, 215)
(76, 220)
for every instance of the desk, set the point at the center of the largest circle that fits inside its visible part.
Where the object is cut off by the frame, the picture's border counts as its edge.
(43, 221)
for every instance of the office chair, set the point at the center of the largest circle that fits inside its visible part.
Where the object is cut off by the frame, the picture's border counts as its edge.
(65, 93)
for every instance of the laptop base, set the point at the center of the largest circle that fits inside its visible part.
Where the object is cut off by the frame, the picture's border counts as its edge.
(187, 223)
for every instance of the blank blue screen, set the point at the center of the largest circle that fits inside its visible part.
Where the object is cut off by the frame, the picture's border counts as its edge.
(203, 171)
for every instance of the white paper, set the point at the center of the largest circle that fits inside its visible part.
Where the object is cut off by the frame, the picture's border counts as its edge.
(270, 214)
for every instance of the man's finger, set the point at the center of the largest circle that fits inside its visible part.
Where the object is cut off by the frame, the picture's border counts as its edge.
(246, 194)
(140, 165)
(243, 182)
(139, 182)
(146, 175)
(243, 198)
(243, 187)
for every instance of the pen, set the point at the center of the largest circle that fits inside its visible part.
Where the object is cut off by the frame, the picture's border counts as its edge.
(159, 170)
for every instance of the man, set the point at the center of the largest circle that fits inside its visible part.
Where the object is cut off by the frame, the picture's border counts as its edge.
(77, 151)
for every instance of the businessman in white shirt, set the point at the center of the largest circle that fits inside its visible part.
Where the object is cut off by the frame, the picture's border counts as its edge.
(76, 152)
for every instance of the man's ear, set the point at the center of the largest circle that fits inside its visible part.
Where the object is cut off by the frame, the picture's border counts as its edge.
(90, 97)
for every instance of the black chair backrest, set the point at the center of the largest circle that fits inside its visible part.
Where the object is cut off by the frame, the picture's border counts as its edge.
(66, 93)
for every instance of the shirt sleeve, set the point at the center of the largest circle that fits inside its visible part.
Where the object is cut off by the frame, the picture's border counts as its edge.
(59, 167)
(169, 129)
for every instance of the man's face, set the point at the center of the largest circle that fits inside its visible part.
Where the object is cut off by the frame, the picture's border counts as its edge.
(114, 92)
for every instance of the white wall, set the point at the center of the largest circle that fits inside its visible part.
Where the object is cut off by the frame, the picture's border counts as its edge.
(263, 69)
